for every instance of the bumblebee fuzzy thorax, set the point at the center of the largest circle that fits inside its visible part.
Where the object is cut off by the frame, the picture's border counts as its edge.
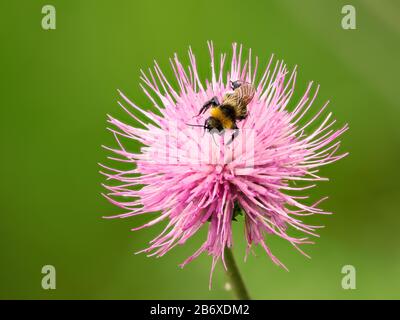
(217, 113)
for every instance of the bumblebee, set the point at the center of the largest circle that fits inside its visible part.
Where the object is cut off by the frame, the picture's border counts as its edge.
(233, 108)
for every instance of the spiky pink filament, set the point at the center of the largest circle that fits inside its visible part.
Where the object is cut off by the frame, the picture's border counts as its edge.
(190, 193)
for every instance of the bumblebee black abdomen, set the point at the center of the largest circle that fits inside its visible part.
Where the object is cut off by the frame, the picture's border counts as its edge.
(241, 112)
(228, 111)
(238, 104)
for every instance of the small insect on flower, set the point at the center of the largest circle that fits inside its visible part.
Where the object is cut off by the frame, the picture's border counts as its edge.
(232, 109)
(179, 175)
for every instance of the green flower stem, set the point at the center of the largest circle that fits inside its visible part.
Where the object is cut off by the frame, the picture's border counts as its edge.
(235, 279)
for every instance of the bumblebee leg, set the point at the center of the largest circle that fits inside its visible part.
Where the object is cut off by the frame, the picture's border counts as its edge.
(205, 127)
(212, 132)
(215, 101)
(234, 134)
(212, 102)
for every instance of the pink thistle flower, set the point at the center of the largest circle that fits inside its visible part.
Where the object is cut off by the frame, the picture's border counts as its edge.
(194, 180)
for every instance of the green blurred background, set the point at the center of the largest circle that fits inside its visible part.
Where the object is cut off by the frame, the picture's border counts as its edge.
(57, 87)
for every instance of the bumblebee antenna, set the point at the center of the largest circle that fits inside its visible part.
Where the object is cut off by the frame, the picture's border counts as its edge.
(195, 125)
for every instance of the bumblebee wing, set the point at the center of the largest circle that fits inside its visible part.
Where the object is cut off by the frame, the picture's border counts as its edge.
(245, 93)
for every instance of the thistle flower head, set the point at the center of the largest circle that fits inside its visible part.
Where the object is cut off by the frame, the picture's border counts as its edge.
(195, 179)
